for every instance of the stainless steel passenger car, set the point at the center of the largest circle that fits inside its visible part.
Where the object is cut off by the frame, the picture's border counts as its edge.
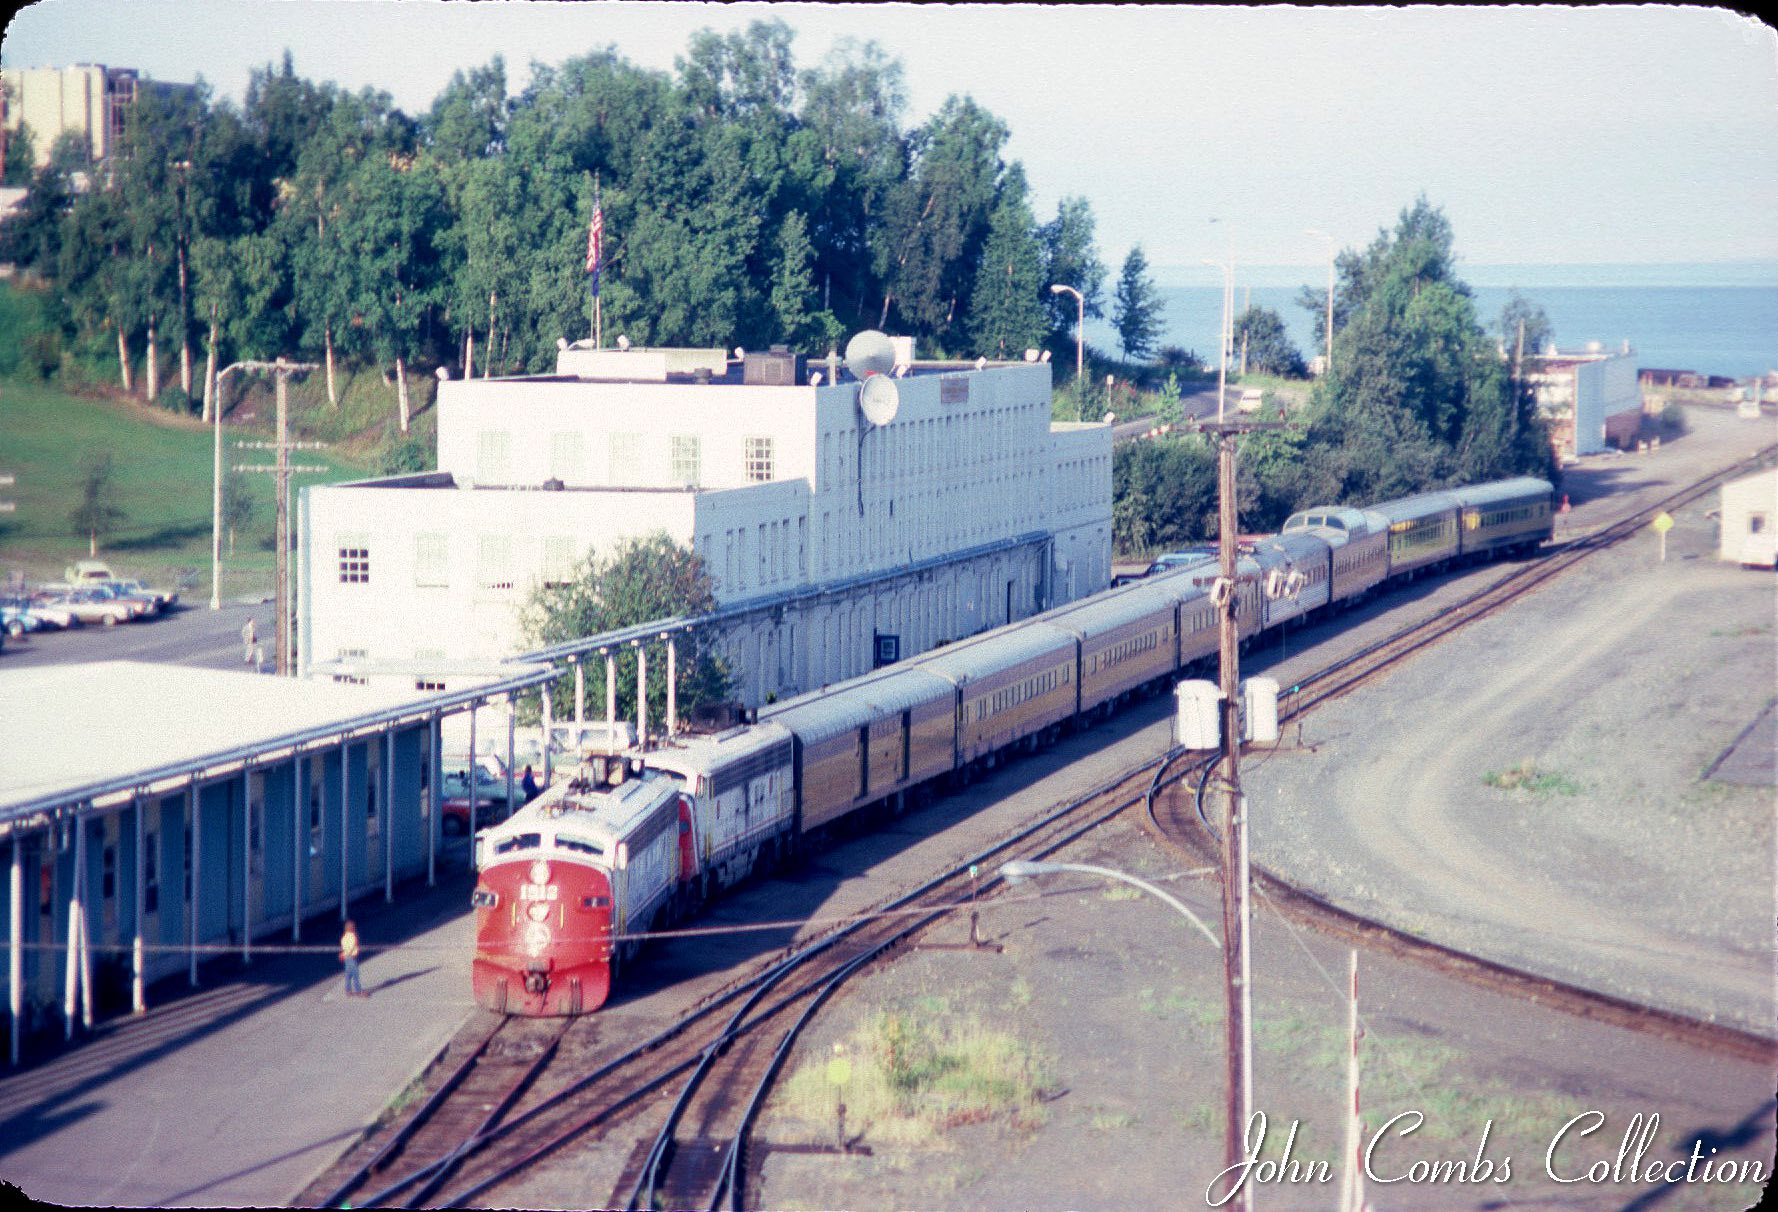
(1298, 553)
(1359, 539)
(1422, 531)
(1506, 515)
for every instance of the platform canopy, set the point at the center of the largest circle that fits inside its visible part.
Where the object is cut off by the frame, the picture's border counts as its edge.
(75, 732)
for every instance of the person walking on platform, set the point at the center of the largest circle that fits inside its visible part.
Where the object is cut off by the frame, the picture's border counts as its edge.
(249, 634)
(349, 957)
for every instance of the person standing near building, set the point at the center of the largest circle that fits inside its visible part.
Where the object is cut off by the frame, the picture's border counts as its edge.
(349, 957)
(249, 634)
(529, 785)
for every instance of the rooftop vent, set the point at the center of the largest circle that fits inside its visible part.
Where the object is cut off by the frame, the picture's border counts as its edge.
(777, 368)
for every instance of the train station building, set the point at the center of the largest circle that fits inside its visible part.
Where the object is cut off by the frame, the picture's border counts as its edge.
(834, 541)
(179, 814)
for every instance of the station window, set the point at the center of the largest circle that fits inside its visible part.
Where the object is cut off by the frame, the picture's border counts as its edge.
(759, 460)
(427, 684)
(567, 457)
(354, 560)
(494, 562)
(493, 457)
(558, 561)
(624, 450)
(432, 560)
(686, 454)
(151, 873)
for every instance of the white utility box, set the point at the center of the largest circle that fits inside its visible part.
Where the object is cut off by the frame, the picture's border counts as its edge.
(1198, 720)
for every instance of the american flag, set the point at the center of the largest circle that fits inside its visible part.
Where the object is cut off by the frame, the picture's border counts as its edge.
(595, 238)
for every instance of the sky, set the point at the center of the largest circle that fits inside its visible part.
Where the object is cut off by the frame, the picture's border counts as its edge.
(1548, 135)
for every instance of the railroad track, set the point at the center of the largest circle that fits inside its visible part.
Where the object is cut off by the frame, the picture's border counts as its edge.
(717, 1061)
(1353, 671)
(490, 1121)
(1181, 820)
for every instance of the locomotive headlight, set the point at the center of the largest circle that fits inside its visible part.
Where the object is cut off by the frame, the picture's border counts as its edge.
(537, 911)
(540, 872)
(536, 937)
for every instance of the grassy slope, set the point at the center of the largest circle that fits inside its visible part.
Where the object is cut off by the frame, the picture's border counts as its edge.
(164, 487)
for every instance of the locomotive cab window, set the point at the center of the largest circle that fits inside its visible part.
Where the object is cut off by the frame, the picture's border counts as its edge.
(579, 845)
(518, 841)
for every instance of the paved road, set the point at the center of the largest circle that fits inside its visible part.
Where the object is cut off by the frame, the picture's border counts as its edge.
(1201, 403)
(191, 634)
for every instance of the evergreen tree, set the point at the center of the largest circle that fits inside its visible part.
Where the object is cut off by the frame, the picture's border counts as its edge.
(801, 322)
(1264, 346)
(1136, 307)
(1006, 315)
(1071, 259)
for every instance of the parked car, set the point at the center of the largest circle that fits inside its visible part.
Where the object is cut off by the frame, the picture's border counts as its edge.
(491, 804)
(144, 605)
(45, 616)
(163, 598)
(88, 607)
(17, 618)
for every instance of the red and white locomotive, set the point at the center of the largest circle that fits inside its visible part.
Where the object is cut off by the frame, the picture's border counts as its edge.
(620, 849)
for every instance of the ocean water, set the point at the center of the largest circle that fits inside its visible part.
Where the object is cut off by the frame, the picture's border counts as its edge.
(1712, 329)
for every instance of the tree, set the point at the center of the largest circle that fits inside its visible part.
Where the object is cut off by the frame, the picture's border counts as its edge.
(1136, 307)
(1419, 396)
(238, 507)
(800, 321)
(1524, 326)
(1071, 259)
(21, 150)
(636, 581)
(929, 247)
(98, 513)
(1264, 346)
(1006, 314)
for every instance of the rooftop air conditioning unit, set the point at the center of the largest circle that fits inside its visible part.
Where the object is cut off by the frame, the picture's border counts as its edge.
(775, 368)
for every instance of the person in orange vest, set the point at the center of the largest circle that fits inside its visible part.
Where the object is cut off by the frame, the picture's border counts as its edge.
(349, 957)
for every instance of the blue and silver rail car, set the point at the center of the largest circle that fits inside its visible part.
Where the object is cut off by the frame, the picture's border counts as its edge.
(1422, 531)
(1507, 515)
(1360, 542)
(1284, 558)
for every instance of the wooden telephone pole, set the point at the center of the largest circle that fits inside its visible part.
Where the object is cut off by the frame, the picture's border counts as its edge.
(282, 469)
(1237, 971)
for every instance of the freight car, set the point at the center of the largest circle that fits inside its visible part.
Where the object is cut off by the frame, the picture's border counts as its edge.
(642, 840)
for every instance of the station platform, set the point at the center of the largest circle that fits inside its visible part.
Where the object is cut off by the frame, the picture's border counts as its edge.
(239, 1092)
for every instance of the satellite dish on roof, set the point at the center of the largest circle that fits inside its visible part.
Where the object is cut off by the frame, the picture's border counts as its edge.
(879, 399)
(869, 353)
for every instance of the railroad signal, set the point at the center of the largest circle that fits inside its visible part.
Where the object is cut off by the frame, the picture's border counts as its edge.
(1661, 525)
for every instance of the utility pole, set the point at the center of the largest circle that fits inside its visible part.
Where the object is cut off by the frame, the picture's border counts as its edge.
(1236, 967)
(282, 469)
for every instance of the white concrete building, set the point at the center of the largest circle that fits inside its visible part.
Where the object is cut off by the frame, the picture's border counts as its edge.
(967, 510)
(1750, 520)
(88, 99)
(1591, 398)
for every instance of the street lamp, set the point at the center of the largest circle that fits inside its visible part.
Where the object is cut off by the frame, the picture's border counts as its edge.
(1225, 338)
(1330, 288)
(1020, 870)
(1080, 325)
(216, 488)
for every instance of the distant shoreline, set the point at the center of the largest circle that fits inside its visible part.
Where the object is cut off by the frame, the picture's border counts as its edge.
(1526, 276)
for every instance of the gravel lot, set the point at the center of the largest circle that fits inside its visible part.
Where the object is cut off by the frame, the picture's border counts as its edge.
(1619, 684)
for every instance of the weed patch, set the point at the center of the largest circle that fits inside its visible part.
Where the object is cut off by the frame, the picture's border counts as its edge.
(1527, 777)
(914, 1074)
